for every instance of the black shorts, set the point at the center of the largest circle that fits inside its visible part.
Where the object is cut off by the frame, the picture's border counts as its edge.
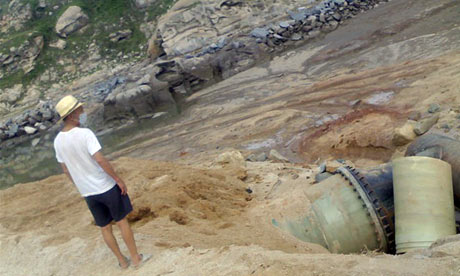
(108, 206)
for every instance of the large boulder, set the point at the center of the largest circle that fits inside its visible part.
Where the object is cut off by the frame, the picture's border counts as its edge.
(71, 21)
(11, 95)
(136, 100)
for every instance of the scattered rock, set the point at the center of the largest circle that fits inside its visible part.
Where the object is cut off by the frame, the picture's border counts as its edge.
(296, 37)
(276, 156)
(415, 116)
(284, 24)
(72, 20)
(259, 33)
(405, 134)
(261, 157)
(425, 124)
(30, 130)
(13, 130)
(120, 35)
(314, 33)
(234, 158)
(59, 44)
(35, 142)
(434, 108)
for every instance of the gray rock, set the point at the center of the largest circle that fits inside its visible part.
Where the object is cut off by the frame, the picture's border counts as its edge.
(333, 25)
(41, 127)
(314, 33)
(41, 4)
(425, 124)
(59, 44)
(446, 127)
(251, 157)
(30, 130)
(322, 18)
(279, 37)
(311, 19)
(35, 142)
(296, 37)
(415, 116)
(434, 108)
(284, 24)
(337, 16)
(3, 135)
(120, 35)
(259, 33)
(47, 114)
(261, 157)
(297, 16)
(13, 130)
(276, 156)
(71, 21)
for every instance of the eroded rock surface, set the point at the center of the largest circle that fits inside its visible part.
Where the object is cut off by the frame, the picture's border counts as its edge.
(71, 21)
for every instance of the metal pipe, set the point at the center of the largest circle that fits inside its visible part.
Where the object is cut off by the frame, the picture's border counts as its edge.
(440, 147)
(423, 200)
(346, 215)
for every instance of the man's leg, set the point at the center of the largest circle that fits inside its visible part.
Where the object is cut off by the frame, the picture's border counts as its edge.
(128, 237)
(111, 242)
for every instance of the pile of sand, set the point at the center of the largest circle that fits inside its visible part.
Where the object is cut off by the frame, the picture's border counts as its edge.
(196, 221)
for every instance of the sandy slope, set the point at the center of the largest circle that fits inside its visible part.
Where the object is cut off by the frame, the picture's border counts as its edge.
(196, 221)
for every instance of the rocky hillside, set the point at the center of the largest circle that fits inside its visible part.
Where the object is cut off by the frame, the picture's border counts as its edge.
(128, 64)
(132, 66)
(45, 44)
(96, 50)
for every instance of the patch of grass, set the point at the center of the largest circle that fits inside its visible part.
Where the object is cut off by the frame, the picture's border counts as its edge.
(105, 17)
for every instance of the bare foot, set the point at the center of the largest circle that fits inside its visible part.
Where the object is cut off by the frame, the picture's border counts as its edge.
(123, 263)
(136, 260)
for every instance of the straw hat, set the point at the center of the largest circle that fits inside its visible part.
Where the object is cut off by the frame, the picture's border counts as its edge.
(67, 105)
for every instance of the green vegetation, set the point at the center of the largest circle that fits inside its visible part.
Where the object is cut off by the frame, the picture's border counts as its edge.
(105, 17)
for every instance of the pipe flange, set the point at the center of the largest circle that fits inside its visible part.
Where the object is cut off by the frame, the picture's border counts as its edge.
(384, 216)
(371, 204)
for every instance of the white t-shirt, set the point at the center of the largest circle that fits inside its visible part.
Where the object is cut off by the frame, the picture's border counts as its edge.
(75, 148)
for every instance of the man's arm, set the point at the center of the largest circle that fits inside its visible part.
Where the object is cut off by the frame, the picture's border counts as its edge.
(105, 165)
(66, 171)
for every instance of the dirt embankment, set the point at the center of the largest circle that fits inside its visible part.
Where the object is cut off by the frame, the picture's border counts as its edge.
(196, 221)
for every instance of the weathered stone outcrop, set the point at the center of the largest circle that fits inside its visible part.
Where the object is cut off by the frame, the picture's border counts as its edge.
(210, 41)
(22, 57)
(71, 21)
(137, 98)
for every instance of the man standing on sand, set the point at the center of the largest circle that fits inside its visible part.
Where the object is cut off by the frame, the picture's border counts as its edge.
(78, 152)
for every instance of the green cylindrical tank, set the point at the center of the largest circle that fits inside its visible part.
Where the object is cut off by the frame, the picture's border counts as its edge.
(423, 199)
(340, 218)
